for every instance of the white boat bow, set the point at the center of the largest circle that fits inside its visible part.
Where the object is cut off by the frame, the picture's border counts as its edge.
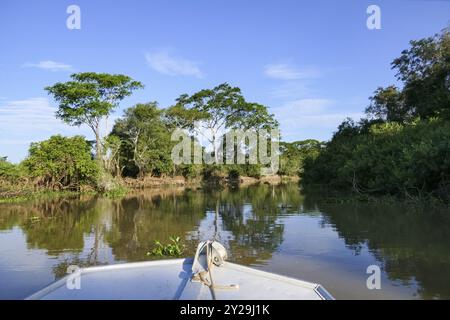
(181, 279)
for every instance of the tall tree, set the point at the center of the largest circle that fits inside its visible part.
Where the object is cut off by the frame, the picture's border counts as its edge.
(145, 139)
(112, 145)
(424, 69)
(89, 98)
(211, 111)
(388, 104)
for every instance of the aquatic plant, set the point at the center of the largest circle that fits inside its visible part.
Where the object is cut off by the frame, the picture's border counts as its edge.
(173, 249)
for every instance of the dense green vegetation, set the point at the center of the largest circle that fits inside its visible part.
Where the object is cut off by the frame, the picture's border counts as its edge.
(140, 143)
(61, 162)
(9, 171)
(143, 141)
(211, 113)
(403, 146)
(294, 154)
(57, 164)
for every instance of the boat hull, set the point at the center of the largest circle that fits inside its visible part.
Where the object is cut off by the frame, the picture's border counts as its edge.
(171, 280)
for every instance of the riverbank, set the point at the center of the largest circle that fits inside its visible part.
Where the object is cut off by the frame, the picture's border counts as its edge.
(179, 181)
(327, 195)
(19, 193)
(43, 194)
(150, 182)
(24, 190)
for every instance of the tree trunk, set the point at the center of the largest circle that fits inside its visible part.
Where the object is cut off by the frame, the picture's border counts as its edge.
(98, 148)
(214, 149)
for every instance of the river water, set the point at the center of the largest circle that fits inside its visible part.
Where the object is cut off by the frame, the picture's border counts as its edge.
(272, 228)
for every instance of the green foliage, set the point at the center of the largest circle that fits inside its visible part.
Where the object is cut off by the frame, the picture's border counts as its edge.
(145, 141)
(219, 109)
(189, 171)
(387, 104)
(251, 170)
(294, 154)
(117, 192)
(392, 158)
(211, 171)
(173, 249)
(111, 154)
(424, 69)
(234, 171)
(404, 146)
(62, 163)
(90, 97)
(9, 171)
(105, 183)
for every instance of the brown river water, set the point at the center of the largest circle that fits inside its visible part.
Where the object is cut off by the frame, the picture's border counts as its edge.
(273, 228)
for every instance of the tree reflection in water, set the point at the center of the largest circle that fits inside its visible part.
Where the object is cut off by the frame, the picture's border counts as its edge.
(412, 244)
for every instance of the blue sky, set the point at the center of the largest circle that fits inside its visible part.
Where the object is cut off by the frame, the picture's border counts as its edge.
(312, 62)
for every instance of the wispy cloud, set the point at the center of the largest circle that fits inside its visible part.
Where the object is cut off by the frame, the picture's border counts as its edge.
(302, 111)
(313, 116)
(305, 106)
(29, 120)
(165, 63)
(22, 112)
(287, 71)
(49, 65)
(291, 90)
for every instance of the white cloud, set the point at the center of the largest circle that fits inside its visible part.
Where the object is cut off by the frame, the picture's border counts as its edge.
(49, 65)
(164, 63)
(291, 90)
(30, 120)
(19, 113)
(285, 71)
(300, 116)
(311, 118)
(305, 107)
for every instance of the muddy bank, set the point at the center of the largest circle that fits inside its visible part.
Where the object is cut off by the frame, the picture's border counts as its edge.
(19, 194)
(151, 182)
(179, 181)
